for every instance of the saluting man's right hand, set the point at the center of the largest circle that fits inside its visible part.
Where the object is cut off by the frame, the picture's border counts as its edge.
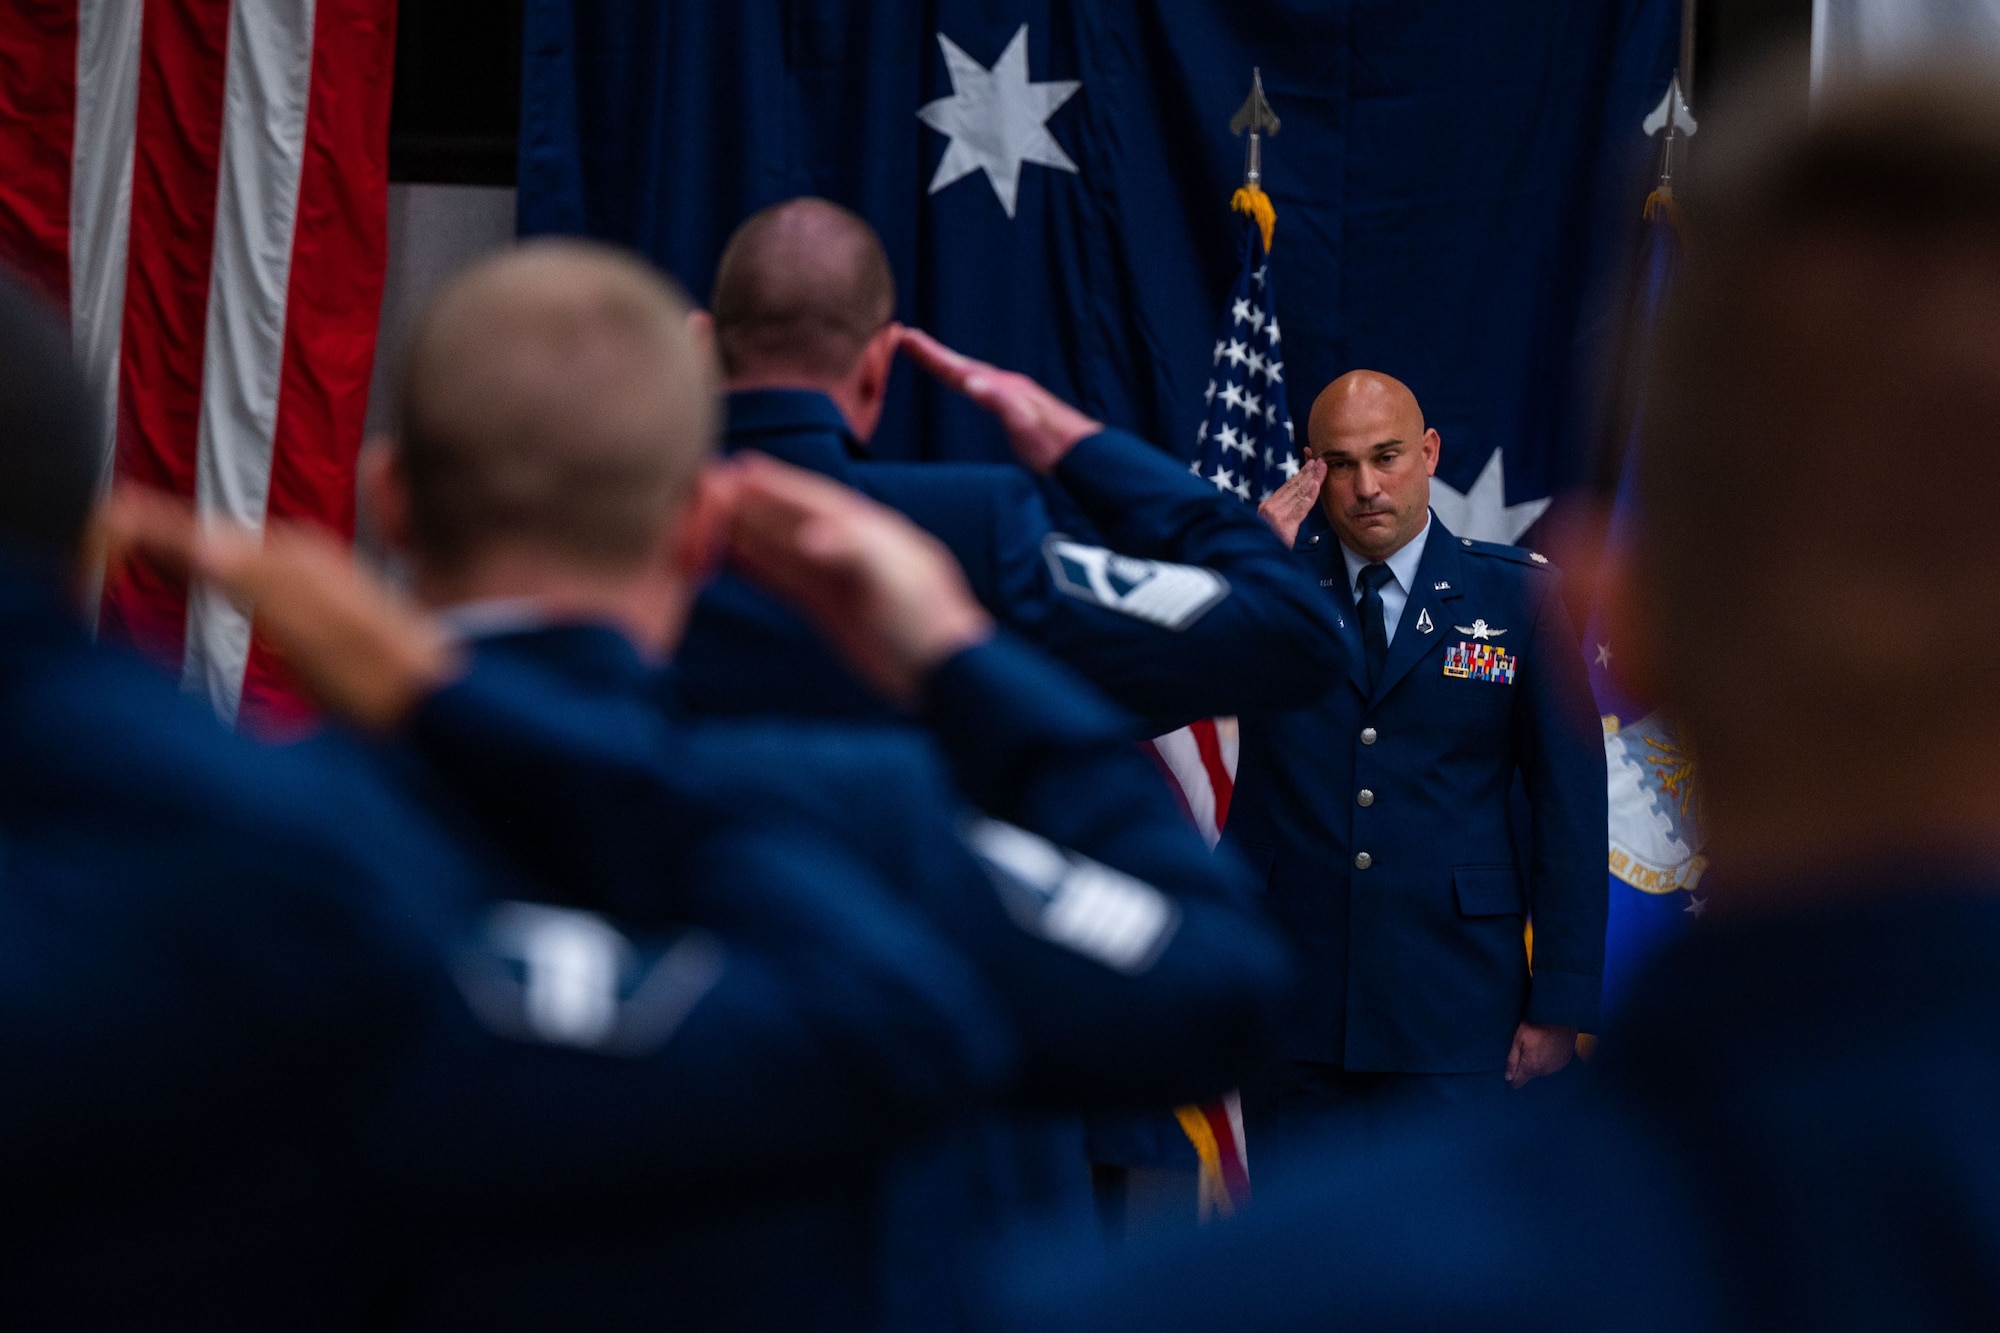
(1288, 507)
(1041, 427)
(349, 639)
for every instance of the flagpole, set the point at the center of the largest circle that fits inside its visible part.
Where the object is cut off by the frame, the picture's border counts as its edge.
(1679, 114)
(1688, 8)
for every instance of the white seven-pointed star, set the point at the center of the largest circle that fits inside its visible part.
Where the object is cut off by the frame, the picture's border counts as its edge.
(1483, 513)
(996, 119)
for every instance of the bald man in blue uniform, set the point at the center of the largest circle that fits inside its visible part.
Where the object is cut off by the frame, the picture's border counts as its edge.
(1794, 1124)
(1176, 604)
(1379, 817)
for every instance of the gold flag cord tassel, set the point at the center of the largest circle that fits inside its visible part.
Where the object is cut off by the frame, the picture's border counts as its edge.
(1252, 202)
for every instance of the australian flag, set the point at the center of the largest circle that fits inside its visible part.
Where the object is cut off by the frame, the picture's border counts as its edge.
(1245, 445)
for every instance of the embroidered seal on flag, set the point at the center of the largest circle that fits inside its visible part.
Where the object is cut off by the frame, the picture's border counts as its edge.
(1168, 595)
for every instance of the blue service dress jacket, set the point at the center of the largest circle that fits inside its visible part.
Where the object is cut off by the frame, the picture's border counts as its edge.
(1789, 1125)
(1188, 608)
(1129, 962)
(1379, 820)
(272, 1040)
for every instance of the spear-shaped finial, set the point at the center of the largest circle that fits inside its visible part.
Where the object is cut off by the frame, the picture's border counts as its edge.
(1256, 116)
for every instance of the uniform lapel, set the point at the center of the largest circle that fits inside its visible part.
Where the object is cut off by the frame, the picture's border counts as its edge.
(1425, 621)
(1318, 544)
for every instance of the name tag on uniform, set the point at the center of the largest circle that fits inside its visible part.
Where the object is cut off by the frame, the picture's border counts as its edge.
(1480, 661)
(1072, 901)
(1168, 595)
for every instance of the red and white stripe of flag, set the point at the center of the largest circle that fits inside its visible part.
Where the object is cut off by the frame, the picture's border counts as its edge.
(203, 185)
(1201, 760)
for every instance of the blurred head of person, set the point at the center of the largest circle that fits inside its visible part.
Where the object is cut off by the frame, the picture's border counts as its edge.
(557, 412)
(803, 300)
(49, 439)
(1814, 587)
(1368, 430)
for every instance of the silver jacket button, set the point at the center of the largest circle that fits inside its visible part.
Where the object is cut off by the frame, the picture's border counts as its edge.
(1363, 860)
(1368, 735)
(1366, 797)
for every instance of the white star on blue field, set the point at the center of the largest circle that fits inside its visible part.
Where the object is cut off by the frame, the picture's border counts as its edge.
(996, 119)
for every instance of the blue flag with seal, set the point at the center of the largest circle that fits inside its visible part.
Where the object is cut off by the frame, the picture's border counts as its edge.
(1655, 806)
(1044, 175)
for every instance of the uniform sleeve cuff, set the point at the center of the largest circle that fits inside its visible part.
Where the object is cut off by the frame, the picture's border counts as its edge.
(1100, 466)
(1564, 999)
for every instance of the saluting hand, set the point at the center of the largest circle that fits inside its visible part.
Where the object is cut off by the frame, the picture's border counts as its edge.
(355, 646)
(1288, 507)
(1041, 427)
(886, 593)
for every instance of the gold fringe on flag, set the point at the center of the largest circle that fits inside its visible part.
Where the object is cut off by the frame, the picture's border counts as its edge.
(1252, 202)
(1660, 201)
(1214, 1189)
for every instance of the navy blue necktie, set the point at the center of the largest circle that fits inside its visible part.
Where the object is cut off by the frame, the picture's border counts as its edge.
(1374, 630)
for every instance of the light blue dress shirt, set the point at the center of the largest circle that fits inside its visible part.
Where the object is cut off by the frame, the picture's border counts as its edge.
(1403, 571)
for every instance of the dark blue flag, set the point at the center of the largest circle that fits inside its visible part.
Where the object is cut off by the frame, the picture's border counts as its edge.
(1656, 863)
(1045, 177)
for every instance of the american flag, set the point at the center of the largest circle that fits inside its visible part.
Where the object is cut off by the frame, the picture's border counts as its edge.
(201, 186)
(1244, 447)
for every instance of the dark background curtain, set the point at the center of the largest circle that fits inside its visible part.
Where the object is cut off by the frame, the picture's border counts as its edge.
(1456, 181)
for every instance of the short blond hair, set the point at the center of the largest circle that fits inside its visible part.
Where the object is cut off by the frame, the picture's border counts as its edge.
(554, 396)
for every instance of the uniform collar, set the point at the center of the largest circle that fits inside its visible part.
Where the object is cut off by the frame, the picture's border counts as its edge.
(594, 656)
(1435, 580)
(802, 427)
(1403, 564)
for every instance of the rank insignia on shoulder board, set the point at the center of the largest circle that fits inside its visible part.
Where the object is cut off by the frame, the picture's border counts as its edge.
(1480, 661)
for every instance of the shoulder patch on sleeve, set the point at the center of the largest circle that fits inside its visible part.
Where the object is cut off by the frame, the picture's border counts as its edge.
(1519, 555)
(1073, 902)
(1155, 591)
(557, 977)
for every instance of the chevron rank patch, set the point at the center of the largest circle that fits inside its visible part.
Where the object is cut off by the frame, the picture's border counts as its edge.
(1170, 596)
(1072, 901)
(557, 977)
